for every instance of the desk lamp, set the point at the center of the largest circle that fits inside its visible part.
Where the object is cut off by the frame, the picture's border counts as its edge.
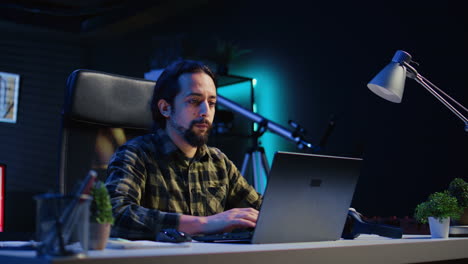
(389, 83)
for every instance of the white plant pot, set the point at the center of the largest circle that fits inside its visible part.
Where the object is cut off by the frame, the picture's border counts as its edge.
(439, 229)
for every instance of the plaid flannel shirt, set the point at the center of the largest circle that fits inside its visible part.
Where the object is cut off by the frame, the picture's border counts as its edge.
(151, 183)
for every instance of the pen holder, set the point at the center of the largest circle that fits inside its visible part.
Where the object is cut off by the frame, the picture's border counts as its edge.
(62, 224)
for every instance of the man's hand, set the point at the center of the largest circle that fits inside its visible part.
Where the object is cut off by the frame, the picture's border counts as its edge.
(218, 223)
(231, 219)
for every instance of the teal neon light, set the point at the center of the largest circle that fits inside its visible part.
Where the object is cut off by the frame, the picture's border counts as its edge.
(268, 100)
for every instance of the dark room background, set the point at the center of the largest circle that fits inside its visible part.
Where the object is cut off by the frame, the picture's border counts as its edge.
(311, 61)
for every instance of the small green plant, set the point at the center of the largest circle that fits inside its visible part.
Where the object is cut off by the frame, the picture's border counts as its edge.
(439, 205)
(101, 209)
(458, 188)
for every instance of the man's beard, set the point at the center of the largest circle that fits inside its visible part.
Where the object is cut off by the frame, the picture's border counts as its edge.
(194, 139)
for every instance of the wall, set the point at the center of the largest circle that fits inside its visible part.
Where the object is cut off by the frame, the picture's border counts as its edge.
(29, 148)
(311, 62)
(327, 54)
(314, 60)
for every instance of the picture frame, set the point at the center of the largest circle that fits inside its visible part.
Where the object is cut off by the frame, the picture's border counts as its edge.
(9, 92)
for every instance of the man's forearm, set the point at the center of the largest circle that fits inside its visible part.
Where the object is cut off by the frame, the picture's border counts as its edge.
(133, 221)
(192, 224)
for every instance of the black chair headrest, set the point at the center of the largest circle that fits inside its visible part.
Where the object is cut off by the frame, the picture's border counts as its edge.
(108, 99)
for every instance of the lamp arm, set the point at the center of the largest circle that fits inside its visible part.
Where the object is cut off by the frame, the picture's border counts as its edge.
(445, 94)
(413, 74)
(270, 125)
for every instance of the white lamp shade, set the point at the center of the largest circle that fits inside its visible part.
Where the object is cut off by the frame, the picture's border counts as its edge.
(389, 83)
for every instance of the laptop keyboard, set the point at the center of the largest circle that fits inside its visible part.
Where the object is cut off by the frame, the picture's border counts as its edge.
(238, 236)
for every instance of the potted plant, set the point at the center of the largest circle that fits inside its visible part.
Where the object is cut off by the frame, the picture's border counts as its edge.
(458, 188)
(224, 54)
(101, 217)
(438, 209)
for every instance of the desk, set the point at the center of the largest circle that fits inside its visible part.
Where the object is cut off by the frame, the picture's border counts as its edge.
(365, 249)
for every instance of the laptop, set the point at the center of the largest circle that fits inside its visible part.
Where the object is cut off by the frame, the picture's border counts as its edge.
(306, 199)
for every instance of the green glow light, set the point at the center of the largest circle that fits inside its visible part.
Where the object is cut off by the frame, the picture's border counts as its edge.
(239, 93)
(269, 100)
(255, 125)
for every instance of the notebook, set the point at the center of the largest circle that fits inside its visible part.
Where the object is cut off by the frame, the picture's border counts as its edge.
(306, 199)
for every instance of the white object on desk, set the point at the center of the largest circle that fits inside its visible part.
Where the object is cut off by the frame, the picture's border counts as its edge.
(118, 243)
(17, 244)
(459, 231)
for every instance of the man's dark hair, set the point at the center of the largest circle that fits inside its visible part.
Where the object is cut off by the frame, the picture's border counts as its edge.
(167, 85)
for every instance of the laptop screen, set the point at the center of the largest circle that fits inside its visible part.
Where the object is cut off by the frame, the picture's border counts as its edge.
(307, 198)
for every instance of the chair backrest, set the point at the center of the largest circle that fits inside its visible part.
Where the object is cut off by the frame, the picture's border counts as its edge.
(95, 102)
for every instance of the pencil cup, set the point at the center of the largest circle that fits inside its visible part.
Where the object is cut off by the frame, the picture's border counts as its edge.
(62, 224)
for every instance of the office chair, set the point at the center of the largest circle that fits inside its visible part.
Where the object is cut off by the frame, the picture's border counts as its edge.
(95, 100)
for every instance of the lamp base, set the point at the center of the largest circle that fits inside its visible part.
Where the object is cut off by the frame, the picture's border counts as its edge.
(458, 231)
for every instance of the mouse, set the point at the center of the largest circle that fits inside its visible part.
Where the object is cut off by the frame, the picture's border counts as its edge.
(173, 236)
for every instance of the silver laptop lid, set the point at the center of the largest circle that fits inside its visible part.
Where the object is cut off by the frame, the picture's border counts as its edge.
(307, 198)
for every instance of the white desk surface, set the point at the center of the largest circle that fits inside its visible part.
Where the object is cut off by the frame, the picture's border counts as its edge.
(364, 249)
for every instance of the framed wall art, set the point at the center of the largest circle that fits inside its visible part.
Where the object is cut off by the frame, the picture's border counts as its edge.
(9, 90)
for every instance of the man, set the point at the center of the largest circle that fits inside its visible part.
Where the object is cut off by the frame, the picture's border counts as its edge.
(171, 179)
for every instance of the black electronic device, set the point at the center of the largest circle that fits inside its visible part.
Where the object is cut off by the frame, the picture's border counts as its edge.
(356, 226)
(173, 236)
(235, 236)
(320, 188)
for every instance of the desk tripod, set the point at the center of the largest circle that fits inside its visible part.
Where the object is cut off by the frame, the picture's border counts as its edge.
(256, 156)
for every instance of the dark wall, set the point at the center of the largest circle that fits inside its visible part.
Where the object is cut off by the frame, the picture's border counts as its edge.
(329, 53)
(322, 56)
(29, 147)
